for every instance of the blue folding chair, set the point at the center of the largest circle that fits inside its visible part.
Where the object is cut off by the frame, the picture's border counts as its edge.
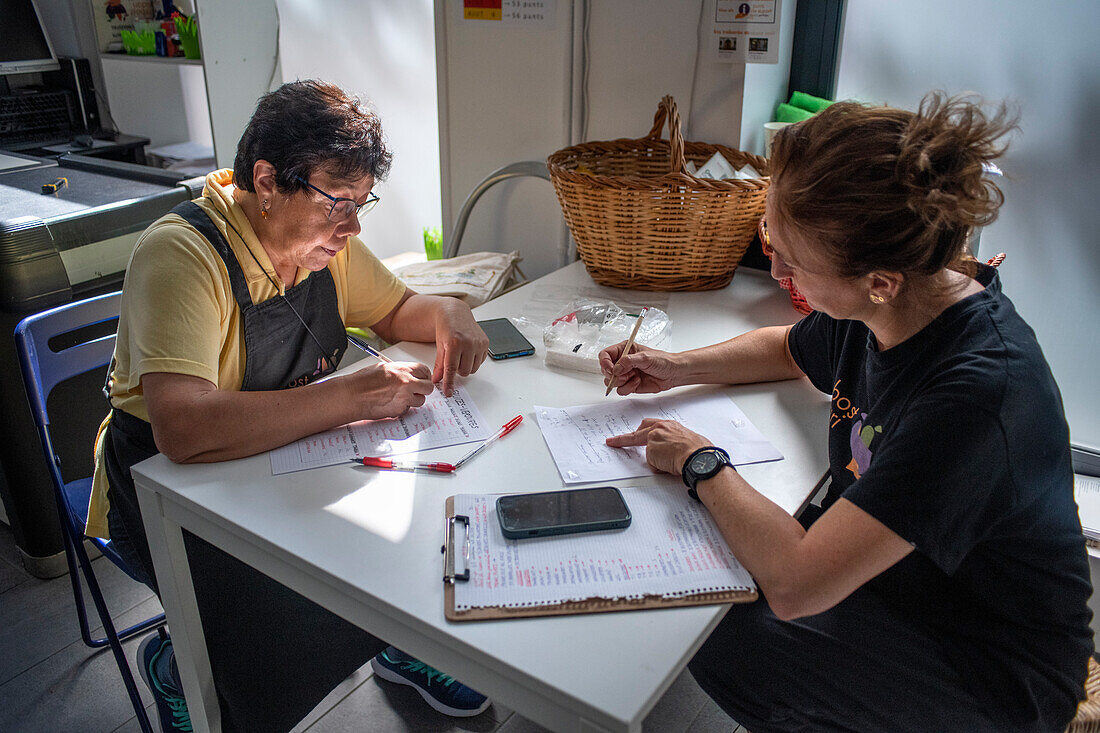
(44, 365)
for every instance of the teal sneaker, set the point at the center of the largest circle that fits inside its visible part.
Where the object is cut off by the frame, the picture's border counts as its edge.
(440, 690)
(157, 663)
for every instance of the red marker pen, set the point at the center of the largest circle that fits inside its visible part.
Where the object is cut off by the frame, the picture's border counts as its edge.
(392, 465)
(508, 427)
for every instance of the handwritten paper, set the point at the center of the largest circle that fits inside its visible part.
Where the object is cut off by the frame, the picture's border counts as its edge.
(439, 422)
(576, 435)
(671, 549)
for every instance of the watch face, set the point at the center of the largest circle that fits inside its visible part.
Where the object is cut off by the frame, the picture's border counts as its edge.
(704, 463)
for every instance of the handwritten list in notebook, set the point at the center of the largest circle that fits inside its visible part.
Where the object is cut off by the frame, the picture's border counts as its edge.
(672, 549)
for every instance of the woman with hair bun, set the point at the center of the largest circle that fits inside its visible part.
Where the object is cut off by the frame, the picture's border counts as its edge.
(944, 583)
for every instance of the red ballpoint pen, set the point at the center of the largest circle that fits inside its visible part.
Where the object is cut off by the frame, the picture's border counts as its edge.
(508, 427)
(392, 465)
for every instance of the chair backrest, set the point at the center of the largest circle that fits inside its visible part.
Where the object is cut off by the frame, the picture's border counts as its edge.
(46, 360)
(43, 366)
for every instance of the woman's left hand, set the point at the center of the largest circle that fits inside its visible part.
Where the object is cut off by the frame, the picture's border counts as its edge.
(461, 345)
(667, 443)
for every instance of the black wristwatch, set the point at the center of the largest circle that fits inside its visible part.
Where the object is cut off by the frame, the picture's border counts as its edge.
(703, 464)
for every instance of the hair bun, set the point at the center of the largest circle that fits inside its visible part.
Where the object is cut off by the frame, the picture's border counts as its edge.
(942, 158)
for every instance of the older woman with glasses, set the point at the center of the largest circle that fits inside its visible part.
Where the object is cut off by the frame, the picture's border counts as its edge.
(943, 586)
(232, 308)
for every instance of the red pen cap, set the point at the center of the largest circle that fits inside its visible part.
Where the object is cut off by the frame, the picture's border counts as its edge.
(511, 425)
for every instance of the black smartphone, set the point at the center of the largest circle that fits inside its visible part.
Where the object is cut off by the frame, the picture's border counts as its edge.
(505, 340)
(562, 512)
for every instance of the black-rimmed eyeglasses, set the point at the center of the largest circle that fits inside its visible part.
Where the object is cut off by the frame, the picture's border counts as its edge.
(342, 208)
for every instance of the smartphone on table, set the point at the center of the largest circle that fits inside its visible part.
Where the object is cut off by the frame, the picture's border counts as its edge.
(505, 340)
(562, 512)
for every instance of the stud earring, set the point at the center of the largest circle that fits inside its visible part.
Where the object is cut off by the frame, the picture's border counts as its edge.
(263, 209)
(877, 299)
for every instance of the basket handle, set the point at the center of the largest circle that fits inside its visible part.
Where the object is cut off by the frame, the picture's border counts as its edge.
(666, 110)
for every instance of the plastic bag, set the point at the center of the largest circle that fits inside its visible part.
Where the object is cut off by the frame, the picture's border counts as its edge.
(586, 327)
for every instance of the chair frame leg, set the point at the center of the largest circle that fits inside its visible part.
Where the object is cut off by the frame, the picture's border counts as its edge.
(111, 638)
(82, 613)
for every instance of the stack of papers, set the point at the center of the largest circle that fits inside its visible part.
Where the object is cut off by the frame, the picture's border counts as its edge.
(1086, 490)
(718, 168)
(672, 549)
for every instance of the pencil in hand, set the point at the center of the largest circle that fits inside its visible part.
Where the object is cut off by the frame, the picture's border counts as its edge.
(626, 350)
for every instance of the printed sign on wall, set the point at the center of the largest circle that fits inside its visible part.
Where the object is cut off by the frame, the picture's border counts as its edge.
(745, 31)
(510, 13)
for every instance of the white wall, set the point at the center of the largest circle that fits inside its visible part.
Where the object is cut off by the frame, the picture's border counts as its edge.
(385, 54)
(510, 94)
(239, 59)
(640, 50)
(162, 101)
(1044, 56)
(504, 97)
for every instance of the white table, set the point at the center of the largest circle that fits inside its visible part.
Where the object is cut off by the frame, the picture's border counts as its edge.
(367, 544)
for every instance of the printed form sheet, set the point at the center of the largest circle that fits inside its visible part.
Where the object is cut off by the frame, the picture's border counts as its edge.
(671, 549)
(439, 422)
(576, 435)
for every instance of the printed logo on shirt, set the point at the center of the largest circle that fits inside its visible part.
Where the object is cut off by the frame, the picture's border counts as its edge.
(305, 379)
(860, 442)
(861, 435)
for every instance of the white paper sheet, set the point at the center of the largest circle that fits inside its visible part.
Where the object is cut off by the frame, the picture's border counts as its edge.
(441, 421)
(672, 548)
(576, 435)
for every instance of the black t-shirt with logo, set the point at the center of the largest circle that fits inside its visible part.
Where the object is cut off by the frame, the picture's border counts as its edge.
(956, 440)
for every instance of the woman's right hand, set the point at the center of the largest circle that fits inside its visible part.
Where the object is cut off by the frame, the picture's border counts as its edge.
(643, 370)
(389, 389)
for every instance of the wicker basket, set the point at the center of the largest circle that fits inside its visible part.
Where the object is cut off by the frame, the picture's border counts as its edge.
(641, 221)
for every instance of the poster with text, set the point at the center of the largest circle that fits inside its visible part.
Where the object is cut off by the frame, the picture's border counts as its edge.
(745, 31)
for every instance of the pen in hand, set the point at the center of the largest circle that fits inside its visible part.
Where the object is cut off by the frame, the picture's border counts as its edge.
(629, 346)
(364, 346)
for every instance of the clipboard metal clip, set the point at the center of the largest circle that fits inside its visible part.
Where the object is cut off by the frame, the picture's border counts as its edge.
(449, 574)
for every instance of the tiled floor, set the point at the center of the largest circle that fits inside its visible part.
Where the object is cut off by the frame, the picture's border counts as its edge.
(49, 681)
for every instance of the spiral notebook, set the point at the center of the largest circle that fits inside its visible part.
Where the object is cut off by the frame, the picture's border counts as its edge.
(671, 555)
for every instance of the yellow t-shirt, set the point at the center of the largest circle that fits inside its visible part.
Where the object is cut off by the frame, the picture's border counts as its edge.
(179, 314)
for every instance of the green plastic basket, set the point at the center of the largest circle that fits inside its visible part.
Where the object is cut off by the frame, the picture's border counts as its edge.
(188, 29)
(139, 44)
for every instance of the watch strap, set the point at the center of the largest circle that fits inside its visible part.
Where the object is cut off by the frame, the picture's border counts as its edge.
(690, 479)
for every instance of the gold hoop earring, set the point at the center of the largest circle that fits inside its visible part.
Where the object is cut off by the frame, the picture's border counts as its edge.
(877, 299)
(263, 209)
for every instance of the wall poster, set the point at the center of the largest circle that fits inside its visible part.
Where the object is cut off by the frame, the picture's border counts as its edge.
(745, 31)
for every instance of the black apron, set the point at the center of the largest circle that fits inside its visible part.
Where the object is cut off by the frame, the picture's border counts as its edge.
(274, 654)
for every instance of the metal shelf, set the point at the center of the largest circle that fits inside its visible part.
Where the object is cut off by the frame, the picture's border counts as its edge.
(173, 60)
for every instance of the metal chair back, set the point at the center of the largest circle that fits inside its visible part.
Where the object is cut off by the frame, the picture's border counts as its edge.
(52, 347)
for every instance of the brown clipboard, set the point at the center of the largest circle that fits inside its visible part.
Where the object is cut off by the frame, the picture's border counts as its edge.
(593, 605)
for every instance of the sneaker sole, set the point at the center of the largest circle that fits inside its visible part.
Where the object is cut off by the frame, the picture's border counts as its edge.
(391, 676)
(141, 657)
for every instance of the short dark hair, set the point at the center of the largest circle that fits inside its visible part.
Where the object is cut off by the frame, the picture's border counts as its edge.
(885, 189)
(306, 126)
